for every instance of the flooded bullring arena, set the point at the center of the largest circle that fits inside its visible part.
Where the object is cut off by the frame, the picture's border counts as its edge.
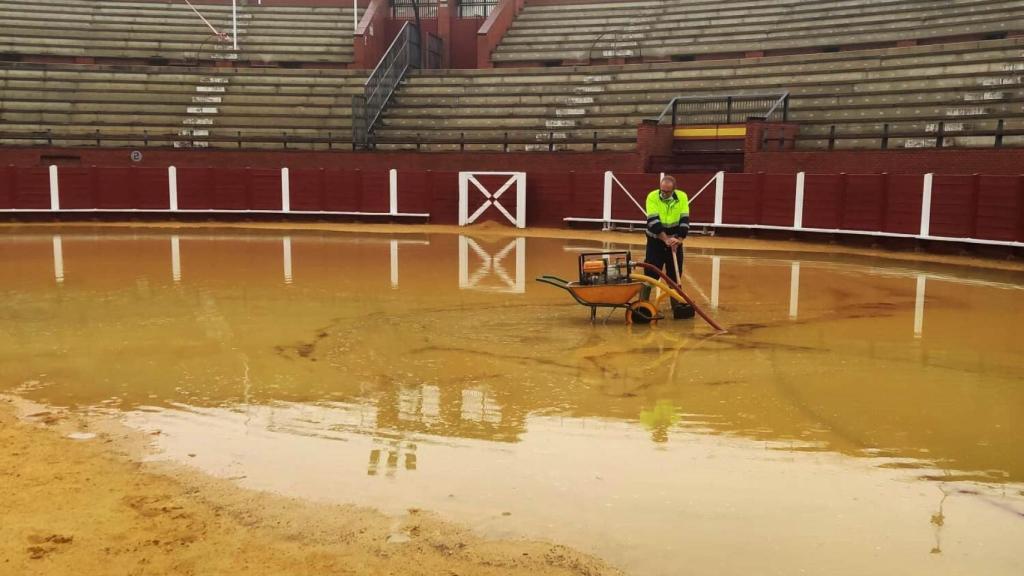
(388, 288)
(861, 415)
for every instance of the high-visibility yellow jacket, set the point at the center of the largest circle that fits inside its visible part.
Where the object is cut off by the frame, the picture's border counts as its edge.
(670, 216)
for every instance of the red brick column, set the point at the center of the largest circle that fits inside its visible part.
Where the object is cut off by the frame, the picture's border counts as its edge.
(370, 40)
(756, 130)
(493, 30)
(446, 12)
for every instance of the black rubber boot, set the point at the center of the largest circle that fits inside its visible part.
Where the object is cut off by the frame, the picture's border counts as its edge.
(681, 311)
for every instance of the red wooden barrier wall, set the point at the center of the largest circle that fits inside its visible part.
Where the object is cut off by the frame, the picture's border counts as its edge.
(981, 207)
(24, 187)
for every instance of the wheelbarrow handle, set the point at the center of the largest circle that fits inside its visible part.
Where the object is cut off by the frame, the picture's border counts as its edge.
(554, 281)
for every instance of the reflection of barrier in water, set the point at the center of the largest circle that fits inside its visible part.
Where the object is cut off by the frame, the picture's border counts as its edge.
(450, 410)
(58, 258)
(794, 290)
(286, 258)
(397, 451)
(493, 265)
(175, 259)
(919, 306)
(286, 246)
(393, 249)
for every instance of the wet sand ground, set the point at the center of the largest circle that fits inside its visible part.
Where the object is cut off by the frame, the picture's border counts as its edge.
(88, 507)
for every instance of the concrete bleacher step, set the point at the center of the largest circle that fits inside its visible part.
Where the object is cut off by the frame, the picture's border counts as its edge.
(685, 27)
(915, 85)
(117, 29)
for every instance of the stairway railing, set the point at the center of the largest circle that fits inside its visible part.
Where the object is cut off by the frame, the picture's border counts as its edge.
(403, 55)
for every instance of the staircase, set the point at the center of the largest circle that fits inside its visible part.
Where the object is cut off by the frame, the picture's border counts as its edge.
(570, 114)
(200, 114)
(202, 111)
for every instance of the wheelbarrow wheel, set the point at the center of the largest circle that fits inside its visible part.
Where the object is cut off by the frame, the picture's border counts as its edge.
(641, 312)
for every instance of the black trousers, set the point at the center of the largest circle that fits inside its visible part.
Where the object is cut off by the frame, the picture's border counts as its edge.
(659, 255)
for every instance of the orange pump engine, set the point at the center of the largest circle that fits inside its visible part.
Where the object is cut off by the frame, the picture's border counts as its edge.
(605, 268)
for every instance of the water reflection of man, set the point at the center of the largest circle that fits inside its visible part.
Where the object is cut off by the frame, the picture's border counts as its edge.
(668, 223)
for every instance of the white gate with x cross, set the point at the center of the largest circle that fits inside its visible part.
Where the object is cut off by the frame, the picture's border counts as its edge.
(517, 179)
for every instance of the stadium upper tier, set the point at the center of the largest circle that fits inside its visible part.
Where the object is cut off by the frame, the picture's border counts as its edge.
(176, 107)
(967, 86)
(688, 29)
(108, 29)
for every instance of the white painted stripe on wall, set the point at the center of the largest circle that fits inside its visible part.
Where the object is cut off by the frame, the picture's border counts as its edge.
(172, 188)
(286, 191)
(926, 204)
(798, 203)
(393, 191)
(54, 188)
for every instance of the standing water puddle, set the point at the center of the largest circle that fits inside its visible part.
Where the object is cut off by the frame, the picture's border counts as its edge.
(861, 418)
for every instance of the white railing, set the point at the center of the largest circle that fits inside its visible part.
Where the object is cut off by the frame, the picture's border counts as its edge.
(611, 182)
(721, 197)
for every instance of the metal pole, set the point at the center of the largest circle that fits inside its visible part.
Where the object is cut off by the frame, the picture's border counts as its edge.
(234, 23)
(355, 15)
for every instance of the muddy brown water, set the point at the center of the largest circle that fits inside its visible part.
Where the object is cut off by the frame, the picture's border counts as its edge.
(863, 416)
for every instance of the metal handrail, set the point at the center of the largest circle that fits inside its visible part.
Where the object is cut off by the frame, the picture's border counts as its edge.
(155, 139)
(781, 99)
(402, 55)
(475, 5)
(939, 136)
(616, 39)
(241, 140)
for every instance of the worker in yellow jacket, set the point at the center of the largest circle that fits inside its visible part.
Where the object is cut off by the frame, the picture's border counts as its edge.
(668, 223)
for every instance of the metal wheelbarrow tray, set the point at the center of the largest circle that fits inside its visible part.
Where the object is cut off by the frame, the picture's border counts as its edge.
(619, 295)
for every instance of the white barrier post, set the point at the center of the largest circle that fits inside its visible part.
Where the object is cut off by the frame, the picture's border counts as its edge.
(172, 188)
(463, 200)
(606, 213)
(393, 192)
(719, 196)
(798, 202)
(54, 188)
(926, 205)
(286, 191)
(520, 200)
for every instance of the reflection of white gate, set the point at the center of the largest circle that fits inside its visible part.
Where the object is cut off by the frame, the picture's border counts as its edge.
(493, 266)
(516, 178)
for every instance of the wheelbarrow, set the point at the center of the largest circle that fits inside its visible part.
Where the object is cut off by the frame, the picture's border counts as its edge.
(605, 282)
